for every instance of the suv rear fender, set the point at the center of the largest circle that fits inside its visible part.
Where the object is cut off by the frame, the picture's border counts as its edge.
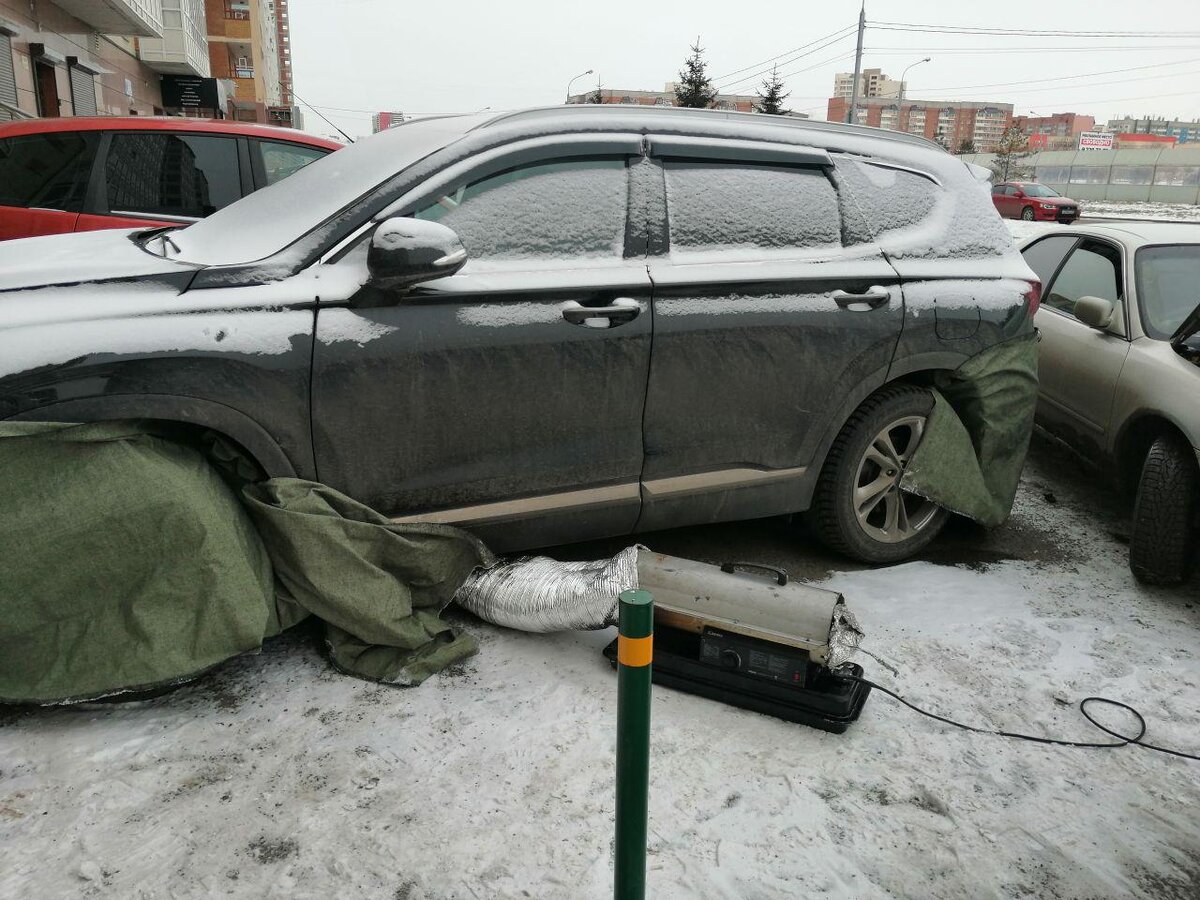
(196, 414)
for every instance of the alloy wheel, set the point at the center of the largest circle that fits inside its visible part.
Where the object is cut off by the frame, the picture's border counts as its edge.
(884, 511)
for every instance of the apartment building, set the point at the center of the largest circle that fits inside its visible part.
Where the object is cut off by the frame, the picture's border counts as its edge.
(382, 121)
(872, 83)
(243, 47)
(1183, 130)
(1059, 131)
(952, 123)
(81, 57)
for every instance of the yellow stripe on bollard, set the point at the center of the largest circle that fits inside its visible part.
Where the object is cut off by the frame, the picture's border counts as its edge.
(635, 651)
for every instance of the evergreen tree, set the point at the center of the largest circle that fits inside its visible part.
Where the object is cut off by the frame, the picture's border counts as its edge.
(1011, 152)
(967, 146)
(771, 97)
(597, 96)
(695, 89)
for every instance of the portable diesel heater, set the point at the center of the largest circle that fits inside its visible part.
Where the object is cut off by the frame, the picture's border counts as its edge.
(746, 635)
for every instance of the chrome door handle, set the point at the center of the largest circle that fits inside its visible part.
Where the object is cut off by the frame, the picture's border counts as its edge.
(873, 297)
(621, 310)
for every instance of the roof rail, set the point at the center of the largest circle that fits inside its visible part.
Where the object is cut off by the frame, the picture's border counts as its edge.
(628, 109)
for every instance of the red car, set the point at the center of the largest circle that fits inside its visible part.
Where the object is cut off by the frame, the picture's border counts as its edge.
(89, 173)
(1033, 202)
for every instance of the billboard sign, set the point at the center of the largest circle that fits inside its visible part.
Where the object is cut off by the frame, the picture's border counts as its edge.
(1095, 140)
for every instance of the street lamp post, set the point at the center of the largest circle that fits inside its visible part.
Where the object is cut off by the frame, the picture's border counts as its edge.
(904, 74)
(575, 79)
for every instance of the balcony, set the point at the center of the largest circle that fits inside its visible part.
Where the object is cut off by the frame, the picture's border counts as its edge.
(135, 18)
(183, 48)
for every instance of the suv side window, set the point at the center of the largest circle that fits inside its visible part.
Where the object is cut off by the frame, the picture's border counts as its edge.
(171, 174)
(1092, 270)
(723, 206)
(46, 171)
(281, 159)
(883, 199)
(562, 210)
(1044, 256)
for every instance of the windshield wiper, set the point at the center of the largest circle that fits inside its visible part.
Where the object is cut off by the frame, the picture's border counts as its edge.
(1189, 327)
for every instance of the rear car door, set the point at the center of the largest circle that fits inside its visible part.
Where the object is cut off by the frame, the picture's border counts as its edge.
(44, 181)
(1001, 199)
(765, 327)
(1079, 366)
(495, 398)
(151, 178)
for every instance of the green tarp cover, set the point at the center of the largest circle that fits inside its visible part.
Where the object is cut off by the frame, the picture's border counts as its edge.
(975, 440)
(128, 562)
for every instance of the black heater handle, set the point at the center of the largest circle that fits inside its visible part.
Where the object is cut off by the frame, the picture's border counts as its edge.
(781, 576)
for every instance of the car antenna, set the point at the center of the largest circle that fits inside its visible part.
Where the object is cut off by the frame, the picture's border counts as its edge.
(322, 115)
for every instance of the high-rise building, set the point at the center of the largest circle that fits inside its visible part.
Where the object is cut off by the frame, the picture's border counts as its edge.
(955, 124)
(871, 83)
(243, 46)
(81, 57)
(382, 121)
(284, 43)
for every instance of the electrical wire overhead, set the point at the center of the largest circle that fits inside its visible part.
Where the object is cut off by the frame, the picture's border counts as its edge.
(1028, 32)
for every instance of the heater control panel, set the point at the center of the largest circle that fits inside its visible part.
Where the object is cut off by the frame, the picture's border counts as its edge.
(751, 656)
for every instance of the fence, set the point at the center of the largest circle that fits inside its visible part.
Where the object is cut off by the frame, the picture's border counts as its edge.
(1160, 175)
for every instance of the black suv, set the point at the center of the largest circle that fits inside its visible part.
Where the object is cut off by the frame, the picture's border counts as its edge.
(553, 324)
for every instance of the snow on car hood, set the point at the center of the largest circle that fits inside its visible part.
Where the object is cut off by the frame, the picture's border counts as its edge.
(74, 258)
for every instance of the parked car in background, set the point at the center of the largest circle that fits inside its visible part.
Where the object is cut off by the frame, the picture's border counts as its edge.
(89, 173)
(451, 321)
(1120, 371)
(1033, 202)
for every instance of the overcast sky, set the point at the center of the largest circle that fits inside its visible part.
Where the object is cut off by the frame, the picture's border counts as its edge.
(354, 57)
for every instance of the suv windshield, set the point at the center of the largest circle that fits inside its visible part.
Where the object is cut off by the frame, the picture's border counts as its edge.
(1040, 190)
(267, 221)
(1168, 284)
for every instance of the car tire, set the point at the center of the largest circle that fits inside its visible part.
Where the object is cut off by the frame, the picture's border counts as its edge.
(1027, 214)
(854, 511)
(1160, 548)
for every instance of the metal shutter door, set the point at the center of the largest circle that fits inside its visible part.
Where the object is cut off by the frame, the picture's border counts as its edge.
(83, 92)
(8, 78)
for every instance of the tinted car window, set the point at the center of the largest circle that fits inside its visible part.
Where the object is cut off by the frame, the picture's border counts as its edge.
(281, 159)
(715, 206)
(565, 210)
(49, 171)
(1092, 270)
(171, 174)
(1045, 255)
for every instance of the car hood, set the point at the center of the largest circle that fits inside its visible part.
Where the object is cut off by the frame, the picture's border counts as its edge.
(87, 256)
(1055, 201)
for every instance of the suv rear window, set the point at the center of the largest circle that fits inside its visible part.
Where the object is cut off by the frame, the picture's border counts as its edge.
(46, 171)
(171, 174)
(722, 206)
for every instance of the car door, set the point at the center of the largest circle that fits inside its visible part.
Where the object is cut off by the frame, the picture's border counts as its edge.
(507, 398)
(148, 178)
(764, 327)
(1079, 366)
(43, 182)
(1001, 199)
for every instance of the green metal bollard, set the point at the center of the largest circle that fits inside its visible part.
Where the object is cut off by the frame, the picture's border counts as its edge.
(635, 643)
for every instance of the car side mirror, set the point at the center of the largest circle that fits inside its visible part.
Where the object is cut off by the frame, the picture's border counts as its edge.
(406, 251)
(1094, 311)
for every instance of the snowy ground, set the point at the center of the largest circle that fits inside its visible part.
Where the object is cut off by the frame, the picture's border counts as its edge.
(276, 777)
(1171, 211)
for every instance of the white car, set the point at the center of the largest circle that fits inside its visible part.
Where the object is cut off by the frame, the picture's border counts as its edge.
(1120, 371)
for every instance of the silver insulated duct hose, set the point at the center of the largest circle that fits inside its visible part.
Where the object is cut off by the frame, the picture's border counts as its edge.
(541, 594)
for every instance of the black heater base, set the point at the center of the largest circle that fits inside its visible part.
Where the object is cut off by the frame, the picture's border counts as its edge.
(817, 698)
